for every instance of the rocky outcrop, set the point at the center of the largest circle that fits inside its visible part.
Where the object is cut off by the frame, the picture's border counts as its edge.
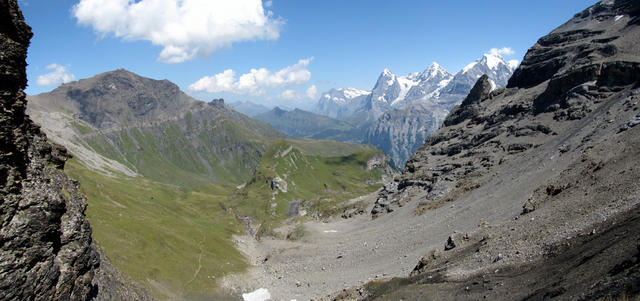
(467, 109)
(46, 249)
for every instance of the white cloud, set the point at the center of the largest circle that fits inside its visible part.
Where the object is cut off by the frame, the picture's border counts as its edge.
(502, 51)
(268, 3)
(184, 28)
(312, 91)
(288, 94)
(218, 83)
(255, 81)
(58, 75)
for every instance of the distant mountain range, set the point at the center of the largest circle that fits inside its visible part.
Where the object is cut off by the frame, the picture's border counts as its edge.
(398, 114)
(249, 108)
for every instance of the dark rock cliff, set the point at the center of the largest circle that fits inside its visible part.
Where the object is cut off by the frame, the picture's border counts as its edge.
(46, 249)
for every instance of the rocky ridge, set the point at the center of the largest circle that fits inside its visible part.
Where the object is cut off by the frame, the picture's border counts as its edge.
(47, 252)
(560, 143)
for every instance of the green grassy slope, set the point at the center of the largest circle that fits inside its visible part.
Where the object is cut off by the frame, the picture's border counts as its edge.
(169, 239)
(320, 185)
(184, 152)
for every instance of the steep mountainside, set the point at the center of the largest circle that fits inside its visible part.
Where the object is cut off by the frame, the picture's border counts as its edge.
(552, 160)
(400, 131)
(46, 249)
(143, 126)
(299, 123)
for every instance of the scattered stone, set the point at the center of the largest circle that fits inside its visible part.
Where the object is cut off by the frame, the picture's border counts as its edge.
(450, 244)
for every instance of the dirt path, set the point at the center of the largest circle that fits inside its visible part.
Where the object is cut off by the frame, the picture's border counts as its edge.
(197, 271)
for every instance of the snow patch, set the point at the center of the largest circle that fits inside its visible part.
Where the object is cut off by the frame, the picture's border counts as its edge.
(493, 61)
(351, 93)
(261, 294)
(618, 17)
(406, 83)
(330, 231)
(468, 67)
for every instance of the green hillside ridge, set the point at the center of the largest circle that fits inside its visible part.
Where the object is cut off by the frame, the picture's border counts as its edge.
(287, 178)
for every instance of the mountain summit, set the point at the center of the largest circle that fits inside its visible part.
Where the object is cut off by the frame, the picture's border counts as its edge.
(139, 125)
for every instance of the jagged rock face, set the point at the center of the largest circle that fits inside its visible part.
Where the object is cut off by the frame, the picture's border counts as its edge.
(576, 43)
(46, 241)
(399, 132)
(479, 91)
(468, 107)
(46, 249)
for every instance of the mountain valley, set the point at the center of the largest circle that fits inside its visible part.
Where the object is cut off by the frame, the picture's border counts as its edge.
(505, 180)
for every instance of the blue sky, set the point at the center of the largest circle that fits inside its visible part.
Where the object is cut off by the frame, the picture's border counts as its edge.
(206, 46)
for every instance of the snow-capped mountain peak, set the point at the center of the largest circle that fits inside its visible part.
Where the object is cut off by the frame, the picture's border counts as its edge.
(351, 93)
(343, 95)
(434, 70)
(340, 102)
(493, 61)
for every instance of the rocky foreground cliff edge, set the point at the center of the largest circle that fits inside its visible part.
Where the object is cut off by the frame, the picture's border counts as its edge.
(46, 248)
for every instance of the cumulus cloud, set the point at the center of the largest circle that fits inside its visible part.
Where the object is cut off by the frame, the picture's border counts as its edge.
(288, 94)
(184, 28)
(58, 75)
(502, 51)
(255, 81)
(312, 91)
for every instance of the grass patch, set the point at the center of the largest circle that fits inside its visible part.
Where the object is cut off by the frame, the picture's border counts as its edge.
(157, 233)
(82, 129)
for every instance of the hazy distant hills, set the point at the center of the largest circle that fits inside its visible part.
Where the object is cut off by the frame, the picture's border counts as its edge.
(249, 108)
(299, 123)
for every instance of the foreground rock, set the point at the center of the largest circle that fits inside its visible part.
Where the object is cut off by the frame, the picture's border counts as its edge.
(46, 249)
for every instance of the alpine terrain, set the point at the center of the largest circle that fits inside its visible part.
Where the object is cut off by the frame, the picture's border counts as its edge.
(503, 181)
(169, 176)
(525, 192)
